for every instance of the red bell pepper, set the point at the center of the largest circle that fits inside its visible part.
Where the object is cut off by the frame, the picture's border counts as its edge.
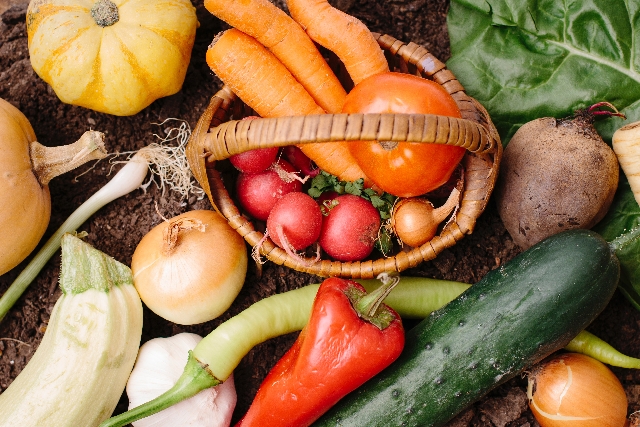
(350, 338)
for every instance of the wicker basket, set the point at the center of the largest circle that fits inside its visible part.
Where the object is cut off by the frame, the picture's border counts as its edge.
(216, 137)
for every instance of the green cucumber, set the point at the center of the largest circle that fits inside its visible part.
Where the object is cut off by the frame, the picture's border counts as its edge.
(514, 317)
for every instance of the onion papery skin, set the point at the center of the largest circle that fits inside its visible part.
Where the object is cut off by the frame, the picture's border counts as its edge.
(26, 205)
(413, 221)
(572, 389)
(199, 279)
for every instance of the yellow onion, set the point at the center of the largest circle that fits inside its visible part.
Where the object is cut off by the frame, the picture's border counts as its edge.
(189, 269)
(26, 167)
(415, 220)
(573, 389)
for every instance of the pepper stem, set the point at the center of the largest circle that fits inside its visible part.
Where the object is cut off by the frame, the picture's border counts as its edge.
(49, 162)
(368, 306)
(193, 380)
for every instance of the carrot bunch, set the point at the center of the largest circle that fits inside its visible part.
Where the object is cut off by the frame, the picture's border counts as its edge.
(270, 60)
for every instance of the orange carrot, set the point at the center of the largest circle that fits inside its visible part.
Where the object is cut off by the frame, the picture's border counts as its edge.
(281, 35)
(258, 77)
(343, 34)
(263, 83)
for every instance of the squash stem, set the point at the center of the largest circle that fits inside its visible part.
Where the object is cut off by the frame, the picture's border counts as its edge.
(193, 380)
(50, 162)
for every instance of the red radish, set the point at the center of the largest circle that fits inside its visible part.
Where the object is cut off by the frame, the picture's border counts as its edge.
(258, 192)
(295, 221)
(350, 229)
(254, 161)
(300, 160)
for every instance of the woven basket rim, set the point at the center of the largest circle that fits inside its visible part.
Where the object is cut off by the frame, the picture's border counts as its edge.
(217, 137)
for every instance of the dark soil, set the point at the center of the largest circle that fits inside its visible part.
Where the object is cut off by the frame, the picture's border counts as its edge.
(118, 227)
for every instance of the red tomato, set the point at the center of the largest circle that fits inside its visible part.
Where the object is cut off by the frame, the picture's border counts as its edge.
(404, 169)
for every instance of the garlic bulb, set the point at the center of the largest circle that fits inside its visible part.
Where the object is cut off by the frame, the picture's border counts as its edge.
(159, 365)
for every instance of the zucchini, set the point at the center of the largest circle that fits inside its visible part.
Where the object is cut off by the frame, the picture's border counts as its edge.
(80, 369)
(514, 317)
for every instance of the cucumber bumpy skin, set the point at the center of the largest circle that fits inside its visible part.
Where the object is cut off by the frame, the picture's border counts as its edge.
(80, 369)
(514, 317)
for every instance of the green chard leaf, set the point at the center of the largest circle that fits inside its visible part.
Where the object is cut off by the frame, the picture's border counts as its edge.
(525, 59)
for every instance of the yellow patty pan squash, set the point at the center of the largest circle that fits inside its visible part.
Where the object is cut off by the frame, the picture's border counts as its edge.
(112, 56)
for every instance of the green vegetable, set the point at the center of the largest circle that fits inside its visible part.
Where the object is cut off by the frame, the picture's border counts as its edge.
(587, 343)
(80, 369)
(528, 59)
(219, 353)
(222, 349)
(513, 318)
(621, 227)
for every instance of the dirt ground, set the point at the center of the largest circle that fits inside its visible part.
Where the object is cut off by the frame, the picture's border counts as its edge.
(118, 227)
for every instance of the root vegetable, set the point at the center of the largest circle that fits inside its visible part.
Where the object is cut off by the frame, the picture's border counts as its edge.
(258, 192)
(288, 42)
(265, 84)
(346, 36)
(301, 161)
(626, 145)
(415, 220)
(190, 269)
(295, 221)
(350, 228)
(254, 161)
(576, 390)
(555, 175)
(26, 167)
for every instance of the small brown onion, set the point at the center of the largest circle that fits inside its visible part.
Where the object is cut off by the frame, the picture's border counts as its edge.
(415, 220)
(190, 268)
(572, 389)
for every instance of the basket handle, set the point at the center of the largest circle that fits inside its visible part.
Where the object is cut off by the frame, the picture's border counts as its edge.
(237, 136)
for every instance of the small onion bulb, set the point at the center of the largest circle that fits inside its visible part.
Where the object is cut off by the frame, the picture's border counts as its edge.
(159, 365)
(415, 220)
(190, 269)
(572, 389)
